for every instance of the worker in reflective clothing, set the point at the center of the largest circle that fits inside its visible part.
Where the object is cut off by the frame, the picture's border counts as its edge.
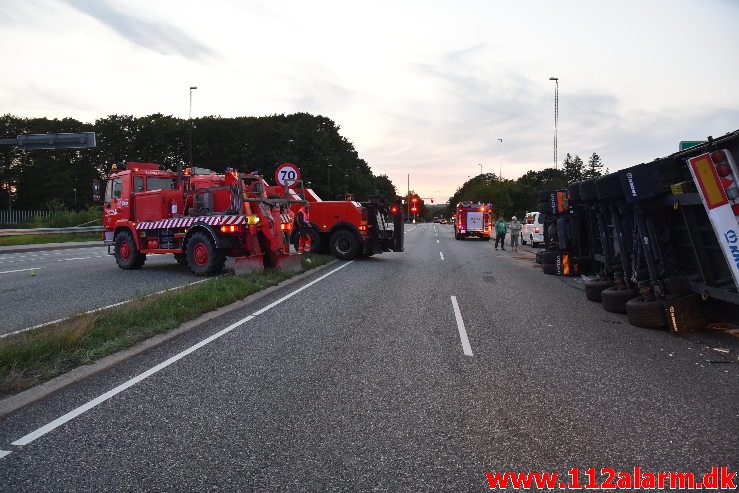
(305, 239)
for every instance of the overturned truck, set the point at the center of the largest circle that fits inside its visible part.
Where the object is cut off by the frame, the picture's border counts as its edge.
(661, 237)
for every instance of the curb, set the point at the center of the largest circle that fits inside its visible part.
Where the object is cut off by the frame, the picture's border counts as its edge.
(38, 247)
(22, 399)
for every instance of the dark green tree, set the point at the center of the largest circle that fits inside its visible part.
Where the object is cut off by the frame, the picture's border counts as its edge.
(594, 168)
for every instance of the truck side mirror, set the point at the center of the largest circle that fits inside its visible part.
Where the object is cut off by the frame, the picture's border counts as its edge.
(96, 191)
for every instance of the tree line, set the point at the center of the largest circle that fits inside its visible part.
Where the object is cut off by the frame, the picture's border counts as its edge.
(43, 179)
(516, 197)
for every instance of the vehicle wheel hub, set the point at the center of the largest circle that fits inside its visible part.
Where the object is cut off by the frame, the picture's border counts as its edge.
(200, 255)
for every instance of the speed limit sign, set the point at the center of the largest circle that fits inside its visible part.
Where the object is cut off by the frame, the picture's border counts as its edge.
(287, 174)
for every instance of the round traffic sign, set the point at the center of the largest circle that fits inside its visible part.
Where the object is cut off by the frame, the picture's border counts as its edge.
(287, 174)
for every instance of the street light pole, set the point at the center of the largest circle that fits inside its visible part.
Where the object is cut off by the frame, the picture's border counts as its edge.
(500, 173)
(328, 181)
(190, 132)
(480, 165)
(556, 115)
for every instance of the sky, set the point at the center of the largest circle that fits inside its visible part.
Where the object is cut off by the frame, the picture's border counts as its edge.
(421, 88)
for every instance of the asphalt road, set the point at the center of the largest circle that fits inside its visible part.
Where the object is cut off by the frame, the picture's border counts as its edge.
(41, 286)
(360, 382)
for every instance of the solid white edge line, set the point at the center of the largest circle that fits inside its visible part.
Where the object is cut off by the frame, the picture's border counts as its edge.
(466, 348)
(117, 390)
(441, 255)
(95, 310)
(4, 453)
(20, 270)
(437, 241)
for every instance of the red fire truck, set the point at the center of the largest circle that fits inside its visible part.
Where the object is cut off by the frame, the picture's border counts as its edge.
(199, 216)
(473, 219)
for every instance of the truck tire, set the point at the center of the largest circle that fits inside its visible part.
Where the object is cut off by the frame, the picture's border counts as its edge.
(544, 208)
(203, 258)
(647, 314)
(548, 258)
(344, 245)
(127, 255)
(593, 289)
(543, 195)
(523, 242)
(614, 300)
(587, 190)
(181, 258)
(315, 245)
(574, 192)
(550, 269)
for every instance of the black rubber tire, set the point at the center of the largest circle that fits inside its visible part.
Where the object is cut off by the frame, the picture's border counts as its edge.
(549, 258)
(344, 245)
(456, 236)
(587, 190)
(550, 269)
(594, 288)
(486, 238)
(181, 258)
(543, 195)
(609, 187)
(544, 208)
(538, 258)
(574, 192)
(523, 242)
(647, 314)
(315, 245)
(203, 258)
(127, 256)
(677, 286)
(614, 300)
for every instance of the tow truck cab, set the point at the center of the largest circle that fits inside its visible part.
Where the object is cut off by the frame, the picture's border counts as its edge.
(349, 229)
(473, 219)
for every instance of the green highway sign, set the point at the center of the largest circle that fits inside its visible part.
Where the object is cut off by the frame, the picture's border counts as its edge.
(687, 144)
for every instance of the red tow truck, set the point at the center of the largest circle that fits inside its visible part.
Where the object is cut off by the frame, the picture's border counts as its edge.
(347, 228)
(201, 217)
(473, 219)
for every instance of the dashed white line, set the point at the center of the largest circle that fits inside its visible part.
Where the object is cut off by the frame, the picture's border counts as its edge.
(460, 325)
(441, 255)
(20, 270)
(437, 241)
(4, 453)
(25, 440)
(80, 258)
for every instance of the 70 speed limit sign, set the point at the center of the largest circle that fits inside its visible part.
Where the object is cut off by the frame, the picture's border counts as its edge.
(287, 174)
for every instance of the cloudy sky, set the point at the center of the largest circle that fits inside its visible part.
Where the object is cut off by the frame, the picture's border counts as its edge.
(420, 87)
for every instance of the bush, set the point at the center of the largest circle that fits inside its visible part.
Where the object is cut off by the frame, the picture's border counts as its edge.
(60, 217)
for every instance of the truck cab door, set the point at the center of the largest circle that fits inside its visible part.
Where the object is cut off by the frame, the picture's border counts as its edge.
(117, 205)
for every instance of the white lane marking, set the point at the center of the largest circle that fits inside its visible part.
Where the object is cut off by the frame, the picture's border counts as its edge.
(95, 310)
(441, 255)
(437, 241)
(19, 270)
(4, 453)
(80, 258)
(117, 390)
(460, 325)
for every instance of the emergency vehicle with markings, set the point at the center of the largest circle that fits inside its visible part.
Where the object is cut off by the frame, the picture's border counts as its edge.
(199, 216)
(346, 229)
(473, 219)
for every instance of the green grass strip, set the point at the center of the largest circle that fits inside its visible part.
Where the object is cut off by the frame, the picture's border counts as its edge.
(50, 238)
(33, 357)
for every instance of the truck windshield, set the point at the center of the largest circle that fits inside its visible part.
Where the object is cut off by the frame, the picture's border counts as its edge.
(154, 183)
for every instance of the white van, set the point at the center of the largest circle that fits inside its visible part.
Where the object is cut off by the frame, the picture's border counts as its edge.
(533, 229)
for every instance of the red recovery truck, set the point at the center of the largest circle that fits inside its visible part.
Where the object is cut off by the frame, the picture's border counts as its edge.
(473, 219)
(346, 228)
(200, 217)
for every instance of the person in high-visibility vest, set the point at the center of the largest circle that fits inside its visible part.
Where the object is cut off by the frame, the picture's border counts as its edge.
(305, 239)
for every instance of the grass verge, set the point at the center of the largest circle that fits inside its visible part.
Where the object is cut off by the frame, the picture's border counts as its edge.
(50, 238)
(34, 357)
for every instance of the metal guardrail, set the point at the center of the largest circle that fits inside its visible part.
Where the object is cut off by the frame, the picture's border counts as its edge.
(48, 231)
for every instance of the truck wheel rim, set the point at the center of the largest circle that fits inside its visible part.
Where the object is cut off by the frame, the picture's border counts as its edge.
(343, 245)
(125, 250)
(201, 254)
